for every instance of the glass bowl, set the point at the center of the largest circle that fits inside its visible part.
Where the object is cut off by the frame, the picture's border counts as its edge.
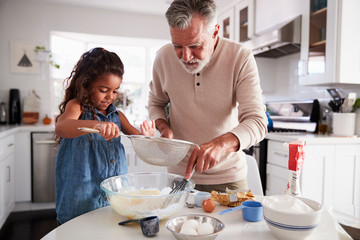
(139, 195)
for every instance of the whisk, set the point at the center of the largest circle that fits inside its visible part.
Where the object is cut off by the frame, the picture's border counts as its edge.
(182, 185)
(178, 188)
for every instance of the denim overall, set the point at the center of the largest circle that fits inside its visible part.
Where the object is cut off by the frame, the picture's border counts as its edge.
(82, 164)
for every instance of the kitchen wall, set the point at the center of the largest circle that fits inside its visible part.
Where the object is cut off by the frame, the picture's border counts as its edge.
(32, 21)
(280, 81)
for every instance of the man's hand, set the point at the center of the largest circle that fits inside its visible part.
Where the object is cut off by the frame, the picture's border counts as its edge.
(164, 129)
(209, 154)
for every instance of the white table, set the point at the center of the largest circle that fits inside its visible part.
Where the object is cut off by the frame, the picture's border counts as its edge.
(103, 224)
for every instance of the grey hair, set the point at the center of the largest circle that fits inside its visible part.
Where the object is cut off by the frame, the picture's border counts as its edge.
(180, 13)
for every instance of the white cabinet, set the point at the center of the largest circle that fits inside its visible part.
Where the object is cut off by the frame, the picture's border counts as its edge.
(272, 14)
(277, 173)
(7, 159)
(238, 21)
(330, 45)
(330, 174)
(226, 21)
(244, 20)
(23, 166)
(135, 164)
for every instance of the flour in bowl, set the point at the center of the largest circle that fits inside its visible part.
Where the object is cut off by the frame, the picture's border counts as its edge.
(288, 203)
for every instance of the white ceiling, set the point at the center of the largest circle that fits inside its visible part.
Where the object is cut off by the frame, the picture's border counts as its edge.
(157, 7)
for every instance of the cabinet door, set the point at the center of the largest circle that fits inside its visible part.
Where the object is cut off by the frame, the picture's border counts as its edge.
(348, 38)
(315, 49)
(272, 14)
(317, 166)
(330, 46)
(6, 187)
(226, 22)
(276, 179)
(244, 20)
(345, 188)
(8, 181)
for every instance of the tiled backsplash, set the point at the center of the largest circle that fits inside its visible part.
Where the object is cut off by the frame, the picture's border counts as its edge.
(280, 81)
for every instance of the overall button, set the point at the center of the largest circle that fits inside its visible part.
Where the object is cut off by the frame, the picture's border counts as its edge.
(112, 160)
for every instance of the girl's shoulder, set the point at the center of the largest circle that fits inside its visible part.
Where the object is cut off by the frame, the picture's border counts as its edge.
(73, 105)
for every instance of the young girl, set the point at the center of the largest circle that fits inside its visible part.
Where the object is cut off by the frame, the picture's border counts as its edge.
(84, 160)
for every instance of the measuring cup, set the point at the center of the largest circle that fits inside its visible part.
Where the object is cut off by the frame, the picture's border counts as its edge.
(149, 225)
(252, 211)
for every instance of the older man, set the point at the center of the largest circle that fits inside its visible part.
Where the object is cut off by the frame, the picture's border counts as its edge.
(213, 90)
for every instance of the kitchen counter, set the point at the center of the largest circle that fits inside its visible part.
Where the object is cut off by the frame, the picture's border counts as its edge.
(103, 224)
(311, 138)
(10, 129)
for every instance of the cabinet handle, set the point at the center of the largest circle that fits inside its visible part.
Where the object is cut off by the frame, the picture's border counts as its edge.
(281, 154)
(8, 174)
(136, 158)
(10, 144)
(127, 158)
(45, 141)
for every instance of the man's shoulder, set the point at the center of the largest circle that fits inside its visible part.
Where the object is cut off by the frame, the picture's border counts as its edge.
(165, 49)
(234, 45)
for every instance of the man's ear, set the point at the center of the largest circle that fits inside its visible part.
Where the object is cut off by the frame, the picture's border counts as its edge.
(216, 31)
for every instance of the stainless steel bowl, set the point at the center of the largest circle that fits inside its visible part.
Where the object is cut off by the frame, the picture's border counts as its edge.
(174, 226)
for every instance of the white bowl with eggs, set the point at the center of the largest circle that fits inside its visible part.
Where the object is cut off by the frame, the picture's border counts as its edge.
(290, 217)
(193, 226)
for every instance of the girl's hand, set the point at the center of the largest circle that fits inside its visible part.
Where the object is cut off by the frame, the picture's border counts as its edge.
(148, 130)
(108, 130)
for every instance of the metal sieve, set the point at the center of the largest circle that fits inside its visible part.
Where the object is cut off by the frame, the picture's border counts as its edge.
(157, 150)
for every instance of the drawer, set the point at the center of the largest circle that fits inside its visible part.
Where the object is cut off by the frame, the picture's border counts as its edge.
(278, 154)
(7, 146)
(276, 179)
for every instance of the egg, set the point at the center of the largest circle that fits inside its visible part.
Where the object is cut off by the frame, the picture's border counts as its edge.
(205, 228)
(188, 231)
(193, 224)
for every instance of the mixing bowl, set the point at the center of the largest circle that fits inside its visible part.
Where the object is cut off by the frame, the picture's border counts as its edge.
(291, 217)
(174, 225)
(139, 195)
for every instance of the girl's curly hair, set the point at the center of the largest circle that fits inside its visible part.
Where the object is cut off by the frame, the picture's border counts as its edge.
(91, 65)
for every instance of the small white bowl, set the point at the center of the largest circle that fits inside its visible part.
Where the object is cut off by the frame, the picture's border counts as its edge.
(199, 197)
(290, 225)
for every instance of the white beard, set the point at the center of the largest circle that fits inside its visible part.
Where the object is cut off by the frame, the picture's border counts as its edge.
(197, 68)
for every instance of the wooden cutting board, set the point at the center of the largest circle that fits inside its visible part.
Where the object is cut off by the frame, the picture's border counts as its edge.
(31, 108)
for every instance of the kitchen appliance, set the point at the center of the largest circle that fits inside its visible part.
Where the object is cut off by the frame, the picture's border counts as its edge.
(3, 113)
(43, 158)
(281, 42)
(300, 116)
(14, 107)
(288, 117)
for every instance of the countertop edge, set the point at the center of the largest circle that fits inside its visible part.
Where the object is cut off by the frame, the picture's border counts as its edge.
(5, 130)
(312, 138)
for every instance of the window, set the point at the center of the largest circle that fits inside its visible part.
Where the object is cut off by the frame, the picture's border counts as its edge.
(137, 55)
